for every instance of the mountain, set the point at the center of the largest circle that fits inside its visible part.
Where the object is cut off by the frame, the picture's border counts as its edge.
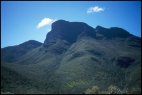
(76, 57)
(11, 53)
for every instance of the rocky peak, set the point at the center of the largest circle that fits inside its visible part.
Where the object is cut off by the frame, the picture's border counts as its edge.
(68, 31)
(112, 32)
(71, 31)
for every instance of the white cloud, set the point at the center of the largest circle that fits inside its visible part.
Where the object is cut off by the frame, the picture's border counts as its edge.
(44, 22)
(95, 9)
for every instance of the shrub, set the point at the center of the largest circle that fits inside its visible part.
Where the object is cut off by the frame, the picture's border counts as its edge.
(113, 90)
(93, 90)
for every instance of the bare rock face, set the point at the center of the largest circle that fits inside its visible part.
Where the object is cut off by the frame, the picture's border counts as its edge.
(68, 31)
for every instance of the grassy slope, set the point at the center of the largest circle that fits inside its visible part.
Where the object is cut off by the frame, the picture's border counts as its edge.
(86, 63)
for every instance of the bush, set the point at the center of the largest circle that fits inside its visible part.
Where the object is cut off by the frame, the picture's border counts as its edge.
(114, 90)
(93, 90)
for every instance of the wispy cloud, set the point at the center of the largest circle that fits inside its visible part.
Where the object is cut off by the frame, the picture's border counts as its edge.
(44, 22)
(95, 9)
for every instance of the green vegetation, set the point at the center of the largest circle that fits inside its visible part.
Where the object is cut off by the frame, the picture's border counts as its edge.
(86, 64)
(75, 83)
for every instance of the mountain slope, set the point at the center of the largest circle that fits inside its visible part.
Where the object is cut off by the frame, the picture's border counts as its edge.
(75, 57)
(12, 53)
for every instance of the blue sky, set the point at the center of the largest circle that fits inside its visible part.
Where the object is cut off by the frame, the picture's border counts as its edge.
(31, 20)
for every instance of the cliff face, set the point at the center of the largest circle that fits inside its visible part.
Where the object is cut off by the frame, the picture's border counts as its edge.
(68, 31)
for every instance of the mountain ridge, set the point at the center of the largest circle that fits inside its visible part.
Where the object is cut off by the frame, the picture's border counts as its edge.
(11, 53)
